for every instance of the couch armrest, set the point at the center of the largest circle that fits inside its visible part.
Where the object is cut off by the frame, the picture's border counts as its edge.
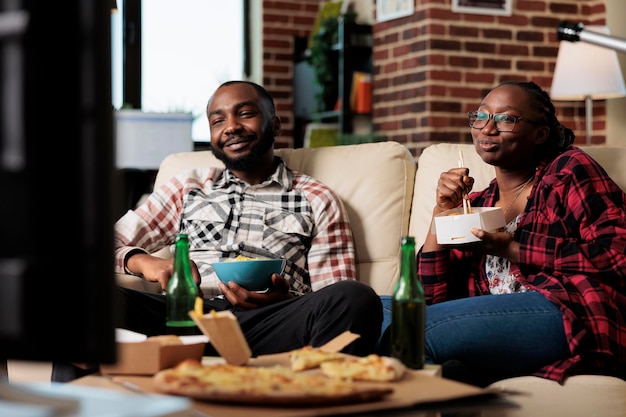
(137, 283)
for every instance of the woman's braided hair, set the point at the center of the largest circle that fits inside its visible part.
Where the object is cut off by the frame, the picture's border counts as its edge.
(560, 137)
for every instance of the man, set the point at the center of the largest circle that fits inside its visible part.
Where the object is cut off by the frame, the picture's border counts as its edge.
(254, 207)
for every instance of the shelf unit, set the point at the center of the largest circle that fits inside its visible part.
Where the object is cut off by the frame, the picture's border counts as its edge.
(354, 54)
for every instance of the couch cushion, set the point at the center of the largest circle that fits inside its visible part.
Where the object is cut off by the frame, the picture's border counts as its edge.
(612, 160)
(580, 396)
(375, 181)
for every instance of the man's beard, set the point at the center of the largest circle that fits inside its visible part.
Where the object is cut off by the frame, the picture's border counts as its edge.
(250, 160)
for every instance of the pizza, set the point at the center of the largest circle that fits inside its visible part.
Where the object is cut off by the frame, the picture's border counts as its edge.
(272, 385)
(309, 357)
(340, 365)
(369, 368)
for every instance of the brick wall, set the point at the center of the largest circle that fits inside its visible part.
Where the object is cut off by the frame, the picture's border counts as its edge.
(283, 21)
(434, 66)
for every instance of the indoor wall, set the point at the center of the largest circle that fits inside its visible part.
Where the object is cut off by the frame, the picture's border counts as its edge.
(616, 108)
(433, 66)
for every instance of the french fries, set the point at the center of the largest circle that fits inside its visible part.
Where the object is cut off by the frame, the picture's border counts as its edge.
(242, 258)
(198, 307)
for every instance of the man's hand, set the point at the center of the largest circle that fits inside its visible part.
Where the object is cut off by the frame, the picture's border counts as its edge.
(243, 299)
(156, 269)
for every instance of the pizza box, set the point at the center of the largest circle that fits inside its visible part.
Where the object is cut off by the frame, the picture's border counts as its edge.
(420, 392)
(141, 355)
(224, 332)
(454, 227)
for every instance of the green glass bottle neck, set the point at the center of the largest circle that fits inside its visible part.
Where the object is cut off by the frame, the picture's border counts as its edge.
(408, 268)
(182, 264)
(408, 285)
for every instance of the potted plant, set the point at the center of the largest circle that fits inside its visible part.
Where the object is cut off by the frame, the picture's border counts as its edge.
(325, 60)
(325, 63)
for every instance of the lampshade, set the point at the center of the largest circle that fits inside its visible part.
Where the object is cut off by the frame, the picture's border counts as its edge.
(586, 72)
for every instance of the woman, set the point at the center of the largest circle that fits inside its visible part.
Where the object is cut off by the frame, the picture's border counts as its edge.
(546, 296)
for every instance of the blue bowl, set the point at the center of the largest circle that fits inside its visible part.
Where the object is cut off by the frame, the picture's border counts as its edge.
(252, 274)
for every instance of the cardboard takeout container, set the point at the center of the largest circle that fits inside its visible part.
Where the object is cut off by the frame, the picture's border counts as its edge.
(454, 227)
(150, 356)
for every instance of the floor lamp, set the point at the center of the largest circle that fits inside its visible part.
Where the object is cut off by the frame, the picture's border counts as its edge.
(587, 72)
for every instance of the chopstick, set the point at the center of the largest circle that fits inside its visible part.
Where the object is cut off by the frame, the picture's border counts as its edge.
(466, 203)
(128, 385)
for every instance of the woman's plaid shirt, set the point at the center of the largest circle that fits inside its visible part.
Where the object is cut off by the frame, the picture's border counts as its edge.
(572, 238)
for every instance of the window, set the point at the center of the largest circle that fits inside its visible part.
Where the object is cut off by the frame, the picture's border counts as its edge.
(188, 48)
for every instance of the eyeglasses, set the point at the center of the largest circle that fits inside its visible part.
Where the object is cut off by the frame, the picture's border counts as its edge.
(504, 122)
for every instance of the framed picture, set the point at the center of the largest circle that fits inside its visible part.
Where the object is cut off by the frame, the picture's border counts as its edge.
(393, 9)
(492, 7)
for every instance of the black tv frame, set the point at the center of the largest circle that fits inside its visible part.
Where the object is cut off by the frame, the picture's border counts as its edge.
(57, 295)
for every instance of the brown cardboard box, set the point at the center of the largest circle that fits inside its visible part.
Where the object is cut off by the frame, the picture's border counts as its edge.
(423, 391)
(224, 332)
(418, 389)
(150, 356)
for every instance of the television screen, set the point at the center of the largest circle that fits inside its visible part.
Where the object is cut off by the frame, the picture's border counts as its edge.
(56, 181)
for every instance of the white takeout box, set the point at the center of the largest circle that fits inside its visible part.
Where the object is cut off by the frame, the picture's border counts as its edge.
(454, 227)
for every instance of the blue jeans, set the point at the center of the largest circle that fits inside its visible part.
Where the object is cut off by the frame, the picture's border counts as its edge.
(490, 337)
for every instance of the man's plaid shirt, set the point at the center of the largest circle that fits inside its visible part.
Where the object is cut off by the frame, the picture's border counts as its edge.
(290, 215)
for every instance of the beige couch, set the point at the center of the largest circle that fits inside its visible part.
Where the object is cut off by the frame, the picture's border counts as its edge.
(387, 197)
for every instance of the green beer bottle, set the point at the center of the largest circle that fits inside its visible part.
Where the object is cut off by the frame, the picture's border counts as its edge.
(181, 292)
(408, 310)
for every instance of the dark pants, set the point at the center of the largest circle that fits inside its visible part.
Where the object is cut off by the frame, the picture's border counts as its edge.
(312, 319)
